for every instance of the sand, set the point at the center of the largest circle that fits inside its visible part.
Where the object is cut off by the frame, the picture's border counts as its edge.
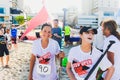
(19, 63)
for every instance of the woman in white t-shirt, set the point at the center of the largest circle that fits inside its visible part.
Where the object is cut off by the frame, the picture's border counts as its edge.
(42, 63)
(82, 58)
(113, 54)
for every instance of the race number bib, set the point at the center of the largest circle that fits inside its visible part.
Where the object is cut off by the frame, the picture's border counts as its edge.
(43, 69)
(78, 78)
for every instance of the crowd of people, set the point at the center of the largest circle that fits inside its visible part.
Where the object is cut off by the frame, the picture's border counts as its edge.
(81, 59)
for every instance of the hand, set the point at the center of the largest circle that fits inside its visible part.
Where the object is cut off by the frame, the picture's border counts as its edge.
(55, 34)
(61, 54)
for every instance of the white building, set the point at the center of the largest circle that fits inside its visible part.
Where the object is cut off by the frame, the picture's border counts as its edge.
(17, 4)
(15, 10)
(105, 8)
(71, 14)
(87, 20)
(4, 12)
(100, 9)
(86, 7)
(8, 8)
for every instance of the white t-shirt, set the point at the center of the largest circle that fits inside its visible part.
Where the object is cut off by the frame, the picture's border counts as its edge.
(115, 48)
(82, 63)
(8, 37)
(47, 56)
(99, 39)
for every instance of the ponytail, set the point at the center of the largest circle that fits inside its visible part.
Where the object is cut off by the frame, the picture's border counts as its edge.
(112, 26)
(116, 34)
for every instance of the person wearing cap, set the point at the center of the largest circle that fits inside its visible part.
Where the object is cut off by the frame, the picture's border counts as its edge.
(82, 58)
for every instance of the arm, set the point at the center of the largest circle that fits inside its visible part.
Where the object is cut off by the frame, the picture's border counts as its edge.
(61, 55)
(109, 73)
(69, 72)
(32, 62)
(21, 25)
(110, 56)
(56, 35)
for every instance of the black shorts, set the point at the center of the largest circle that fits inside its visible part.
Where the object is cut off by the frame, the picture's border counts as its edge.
(67, 37)
(13, 40)
(4, 50)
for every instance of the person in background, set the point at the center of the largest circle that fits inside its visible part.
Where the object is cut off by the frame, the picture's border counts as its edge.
(56, 32)
(4, 28)
(109, 29)
(14, 36)
(24, 38)
(99, 38)
(43, 54)
(67, 35)
(3, 49)
(82, 58)
(8, 37)
(81, 27)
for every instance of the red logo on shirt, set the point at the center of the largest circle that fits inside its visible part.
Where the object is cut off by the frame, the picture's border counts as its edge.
(81, 67)
(45, 58)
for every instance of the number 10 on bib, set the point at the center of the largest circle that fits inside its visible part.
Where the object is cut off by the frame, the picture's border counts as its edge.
(43, 69)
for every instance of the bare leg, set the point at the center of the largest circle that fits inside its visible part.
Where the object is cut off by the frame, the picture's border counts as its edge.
(7, 59)
(1, 60)
(15, 48)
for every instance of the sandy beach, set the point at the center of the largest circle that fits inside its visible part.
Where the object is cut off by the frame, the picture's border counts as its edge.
(19, 63)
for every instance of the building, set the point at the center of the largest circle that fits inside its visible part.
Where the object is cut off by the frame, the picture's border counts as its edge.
(15, 10)
(97, 10)
(9, 9)
(5, 12)
(87, 20)
(86, 7)
(71, 15)
(105, 8)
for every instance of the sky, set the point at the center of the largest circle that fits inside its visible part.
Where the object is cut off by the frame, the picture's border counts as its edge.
(51, 5)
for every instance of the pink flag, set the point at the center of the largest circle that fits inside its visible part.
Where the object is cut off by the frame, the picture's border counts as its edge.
(39, 19)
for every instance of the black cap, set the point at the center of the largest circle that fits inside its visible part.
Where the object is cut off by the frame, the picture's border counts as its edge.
(85, 29)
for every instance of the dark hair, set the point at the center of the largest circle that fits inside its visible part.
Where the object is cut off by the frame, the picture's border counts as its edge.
(112, 26)
(46, 24)
(56, 20)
